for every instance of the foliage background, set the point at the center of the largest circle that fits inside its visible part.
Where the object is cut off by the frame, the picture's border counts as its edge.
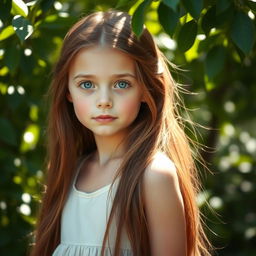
(214, 40)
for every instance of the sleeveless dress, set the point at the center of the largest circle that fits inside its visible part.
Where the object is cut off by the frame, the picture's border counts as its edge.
(83, 222)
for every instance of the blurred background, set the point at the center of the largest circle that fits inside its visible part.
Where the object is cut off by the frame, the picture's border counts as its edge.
(213, 41)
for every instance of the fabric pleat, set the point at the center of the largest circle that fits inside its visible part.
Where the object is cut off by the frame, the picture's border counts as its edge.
(86, 250)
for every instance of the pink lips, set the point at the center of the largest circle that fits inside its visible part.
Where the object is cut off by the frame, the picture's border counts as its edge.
(104, 118)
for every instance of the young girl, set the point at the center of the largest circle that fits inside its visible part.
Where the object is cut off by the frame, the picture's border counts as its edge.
(121, 178)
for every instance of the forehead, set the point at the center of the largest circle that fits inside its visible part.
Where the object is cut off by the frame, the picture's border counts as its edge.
(101, 60)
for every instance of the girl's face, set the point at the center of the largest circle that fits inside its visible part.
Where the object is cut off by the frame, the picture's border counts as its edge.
(104, 90)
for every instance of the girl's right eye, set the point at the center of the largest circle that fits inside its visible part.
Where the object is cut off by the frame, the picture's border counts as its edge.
(86, 85)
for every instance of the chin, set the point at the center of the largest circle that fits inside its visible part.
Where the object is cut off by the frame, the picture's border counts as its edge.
(109, 133)
(104, 133)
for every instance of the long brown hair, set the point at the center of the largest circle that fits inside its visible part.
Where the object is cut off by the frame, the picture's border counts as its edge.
(158, 127)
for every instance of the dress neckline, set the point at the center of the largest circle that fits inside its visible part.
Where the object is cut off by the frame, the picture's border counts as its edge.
(84, 193)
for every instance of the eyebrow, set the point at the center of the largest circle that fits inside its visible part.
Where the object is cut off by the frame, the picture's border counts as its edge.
(93, 76)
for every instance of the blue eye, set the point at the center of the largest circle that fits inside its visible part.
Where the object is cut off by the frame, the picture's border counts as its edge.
(86, 85)
(123, 84)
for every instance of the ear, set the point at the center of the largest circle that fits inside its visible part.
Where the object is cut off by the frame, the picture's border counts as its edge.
(69, 98)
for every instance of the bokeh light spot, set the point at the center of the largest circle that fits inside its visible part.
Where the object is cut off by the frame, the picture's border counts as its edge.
(10, 90)
(245, 167)
(17, 162)
(216, 202)
(3, 205)
(25, 209)
(26, 198)
(28, 137)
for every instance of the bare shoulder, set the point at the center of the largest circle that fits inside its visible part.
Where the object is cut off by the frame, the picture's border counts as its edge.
(161, 171)
(164, 207)
(162, 162)
(161, 178)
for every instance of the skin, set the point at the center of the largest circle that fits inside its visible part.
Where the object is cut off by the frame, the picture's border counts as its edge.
(164, 208)
(100, 69)
(113, 90)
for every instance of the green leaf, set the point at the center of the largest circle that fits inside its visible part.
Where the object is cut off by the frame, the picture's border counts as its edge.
(215, 60)
(19, 8)
(242, 32)
(138, 17)
(209, 20)
(7, 132)
(168, 18)
(171, 3)
(187, 36)
(194, 7)
(22, 27)
(6, 32)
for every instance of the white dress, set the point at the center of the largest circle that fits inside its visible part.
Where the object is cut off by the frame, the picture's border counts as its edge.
(83, 222)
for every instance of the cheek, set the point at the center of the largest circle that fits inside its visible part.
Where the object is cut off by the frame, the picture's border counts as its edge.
(130, 107)
(81, 108)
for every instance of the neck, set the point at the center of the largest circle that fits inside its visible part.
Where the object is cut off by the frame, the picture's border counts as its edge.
(109, 148)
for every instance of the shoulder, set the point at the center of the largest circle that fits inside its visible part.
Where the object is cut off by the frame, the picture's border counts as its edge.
(160, 173)
(164, 207)
(161, 179)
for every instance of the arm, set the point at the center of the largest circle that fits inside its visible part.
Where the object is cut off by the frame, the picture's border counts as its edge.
(164, 209)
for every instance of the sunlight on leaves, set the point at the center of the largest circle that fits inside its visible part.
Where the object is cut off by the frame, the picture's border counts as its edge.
(6, 32)
(30, 138)
(19, 8)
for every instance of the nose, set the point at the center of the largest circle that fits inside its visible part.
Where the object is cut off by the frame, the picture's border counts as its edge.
(104, 100)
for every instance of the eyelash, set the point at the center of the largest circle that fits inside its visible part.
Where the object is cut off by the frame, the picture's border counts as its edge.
(88, 81)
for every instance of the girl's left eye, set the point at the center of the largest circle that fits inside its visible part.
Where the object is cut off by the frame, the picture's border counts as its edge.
(123, 84)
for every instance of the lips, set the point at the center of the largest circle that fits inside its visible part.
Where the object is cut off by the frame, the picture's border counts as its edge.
(104, 118)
